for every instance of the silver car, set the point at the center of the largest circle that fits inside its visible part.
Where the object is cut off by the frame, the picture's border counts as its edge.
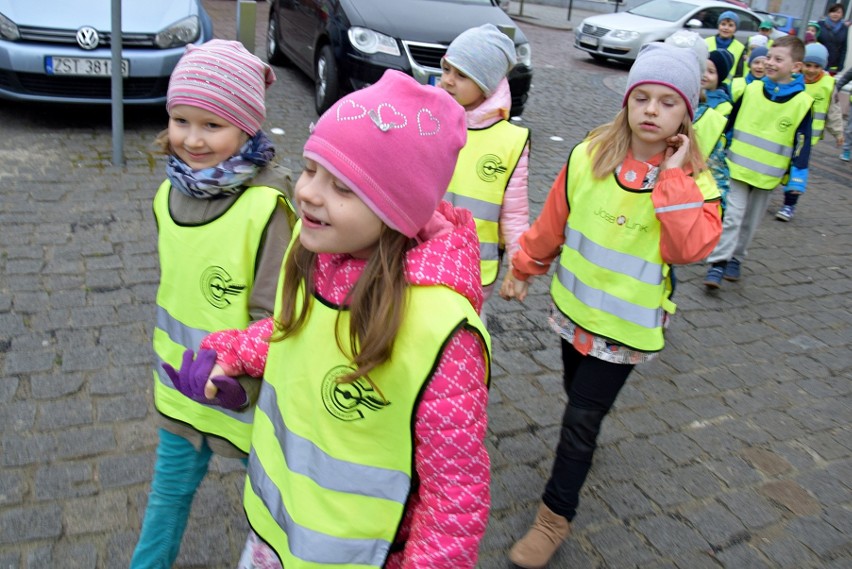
(59, 50)
(620, 35)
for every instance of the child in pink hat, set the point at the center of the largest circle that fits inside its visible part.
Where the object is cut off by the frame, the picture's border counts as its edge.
(223, 222)
(368, 444)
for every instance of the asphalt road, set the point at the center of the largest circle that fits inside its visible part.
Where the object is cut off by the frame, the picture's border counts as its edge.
(732, 450)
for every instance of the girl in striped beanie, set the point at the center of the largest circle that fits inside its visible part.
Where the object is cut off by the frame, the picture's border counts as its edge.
(223, 223)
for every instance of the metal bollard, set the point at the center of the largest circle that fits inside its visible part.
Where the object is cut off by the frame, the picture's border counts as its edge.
(246, 23)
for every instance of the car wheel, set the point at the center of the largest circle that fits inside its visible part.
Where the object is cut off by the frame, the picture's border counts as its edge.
(326, 88)
(274, 55)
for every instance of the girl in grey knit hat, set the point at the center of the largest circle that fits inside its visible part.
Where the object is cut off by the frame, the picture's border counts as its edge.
(491, 174)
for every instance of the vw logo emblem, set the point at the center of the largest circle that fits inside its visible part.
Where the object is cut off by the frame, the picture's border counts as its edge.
(87, 37)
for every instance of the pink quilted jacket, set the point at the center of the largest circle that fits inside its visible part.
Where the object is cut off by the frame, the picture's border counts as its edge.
(447, 513)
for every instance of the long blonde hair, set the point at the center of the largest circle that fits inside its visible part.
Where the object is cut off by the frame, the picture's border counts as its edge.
(609, 143)
(376, 303)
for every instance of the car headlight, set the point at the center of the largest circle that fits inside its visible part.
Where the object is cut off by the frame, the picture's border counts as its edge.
(624, 34)
(524, 54)
(180, 33)
(8, 29)
(368, 41)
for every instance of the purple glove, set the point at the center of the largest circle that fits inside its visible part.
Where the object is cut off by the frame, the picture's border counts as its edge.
(193, 375)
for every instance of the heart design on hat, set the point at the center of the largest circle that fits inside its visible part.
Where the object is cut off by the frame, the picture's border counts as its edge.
(387, 117)
(427, 124)
(351, 111)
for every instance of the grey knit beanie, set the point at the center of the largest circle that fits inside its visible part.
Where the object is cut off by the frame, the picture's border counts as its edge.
(485, 54)
(664, 64)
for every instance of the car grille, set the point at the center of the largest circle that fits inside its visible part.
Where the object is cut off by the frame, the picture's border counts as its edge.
(69, 37)
(82, 87)
(594, 31)
(425, 54)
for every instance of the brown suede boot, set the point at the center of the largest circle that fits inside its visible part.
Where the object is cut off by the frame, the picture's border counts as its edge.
(547, 533)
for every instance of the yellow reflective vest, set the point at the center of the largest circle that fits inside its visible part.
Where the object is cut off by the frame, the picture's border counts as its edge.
(611, 279)
(331, 464)
(206, 277)
(483, 170)
(821, 91)
(737, 49)
(764, 135)
(709, 129)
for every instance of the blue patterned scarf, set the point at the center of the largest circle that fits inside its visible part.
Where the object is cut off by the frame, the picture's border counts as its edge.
(226, 178)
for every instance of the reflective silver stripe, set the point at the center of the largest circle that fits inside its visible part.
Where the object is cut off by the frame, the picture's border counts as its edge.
(820, 116)
(615, 261)
(682, 206)
(768, 145)
(480, 209)
(489, 251)
(306, 458)
(816, 133)
(600, 300)
(755, 166)
(179, 332)
(246, 416)
(308, 544)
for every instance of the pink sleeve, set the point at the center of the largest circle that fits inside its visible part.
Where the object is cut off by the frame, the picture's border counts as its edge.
(515, 212)
(691, 226)
(241, 352)
(450, 512)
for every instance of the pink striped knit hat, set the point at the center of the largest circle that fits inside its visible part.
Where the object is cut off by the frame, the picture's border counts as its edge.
(222, 77)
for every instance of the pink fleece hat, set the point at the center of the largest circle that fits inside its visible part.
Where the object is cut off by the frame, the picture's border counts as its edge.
(222, 77)
(395, 144)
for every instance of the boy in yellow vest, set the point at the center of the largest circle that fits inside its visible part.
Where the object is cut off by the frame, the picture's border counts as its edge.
(728, 23)
(491, 174)
(827, 114)
(763, 152)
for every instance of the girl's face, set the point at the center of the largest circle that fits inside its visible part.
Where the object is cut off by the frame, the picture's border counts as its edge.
(727, 28)
(757, 67)
(710, 79)
(460, 86)
(202, 139)
(334, 219)
(654, 113)
(836, 15)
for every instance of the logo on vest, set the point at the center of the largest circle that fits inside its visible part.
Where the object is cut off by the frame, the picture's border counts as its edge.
(784, 124)
(489, 167)
(216, 286)
(620, 220)
(347, 401)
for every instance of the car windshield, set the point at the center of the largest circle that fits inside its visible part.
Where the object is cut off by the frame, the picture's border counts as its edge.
(668, 10)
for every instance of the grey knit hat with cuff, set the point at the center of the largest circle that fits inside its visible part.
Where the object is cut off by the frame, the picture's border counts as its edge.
(485, 54)
(664, 64)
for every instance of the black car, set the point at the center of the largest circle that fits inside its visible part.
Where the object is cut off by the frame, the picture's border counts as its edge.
(344, 45)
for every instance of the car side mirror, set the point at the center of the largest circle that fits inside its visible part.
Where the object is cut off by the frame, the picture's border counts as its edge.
(693, 23)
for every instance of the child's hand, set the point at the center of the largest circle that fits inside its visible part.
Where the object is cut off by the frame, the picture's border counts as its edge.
(225, 391)
(513, 288)
(840, 140)
(676, 152)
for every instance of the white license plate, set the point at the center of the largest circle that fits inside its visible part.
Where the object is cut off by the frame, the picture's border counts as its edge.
(83, 66)
(434, 79)
(589, 40)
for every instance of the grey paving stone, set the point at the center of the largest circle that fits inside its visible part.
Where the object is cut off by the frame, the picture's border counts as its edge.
(670, 535)
(64, 480)
(21, 525)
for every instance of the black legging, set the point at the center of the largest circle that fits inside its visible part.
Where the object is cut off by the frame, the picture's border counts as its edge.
(592, 386)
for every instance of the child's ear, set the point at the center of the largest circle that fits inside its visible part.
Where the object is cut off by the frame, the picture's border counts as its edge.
(798, 66)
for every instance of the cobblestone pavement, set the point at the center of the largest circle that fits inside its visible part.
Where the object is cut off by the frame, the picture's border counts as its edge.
(732, 450)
